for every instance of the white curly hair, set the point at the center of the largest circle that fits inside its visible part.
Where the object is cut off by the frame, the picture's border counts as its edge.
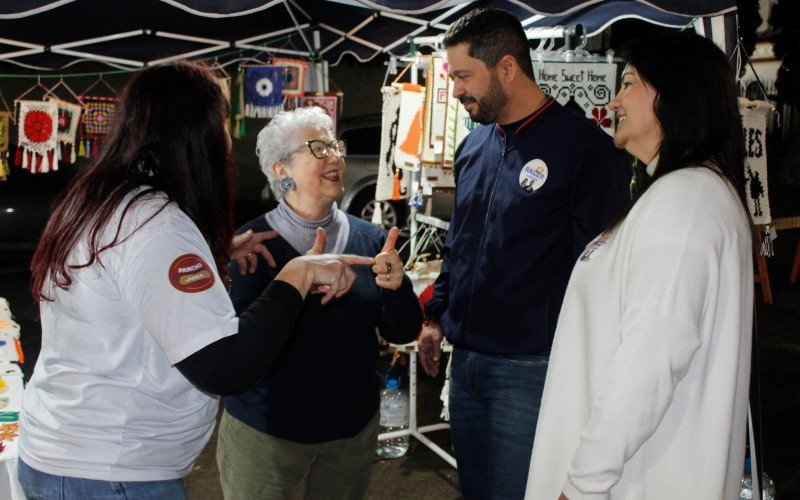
(280, 137)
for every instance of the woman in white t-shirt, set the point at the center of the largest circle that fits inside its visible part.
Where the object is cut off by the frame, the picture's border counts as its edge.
(647, 389)
(138, 331)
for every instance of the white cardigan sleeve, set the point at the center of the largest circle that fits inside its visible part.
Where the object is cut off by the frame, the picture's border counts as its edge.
(669, 276)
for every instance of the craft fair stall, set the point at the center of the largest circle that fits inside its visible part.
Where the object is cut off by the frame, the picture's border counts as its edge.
(274, 55)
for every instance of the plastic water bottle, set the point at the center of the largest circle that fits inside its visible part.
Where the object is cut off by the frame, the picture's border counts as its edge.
(767, 485)
(394, 417)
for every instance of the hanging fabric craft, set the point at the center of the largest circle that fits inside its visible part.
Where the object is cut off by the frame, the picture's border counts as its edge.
(96, 123)
(5, 122)
(327, 102)
(409, 129)
(69, 116)
(435, 111)
(38, 136)
(390, 117)
(294, 76)
(585, 87)
(263, 91)
(754, 123)
(459, 124)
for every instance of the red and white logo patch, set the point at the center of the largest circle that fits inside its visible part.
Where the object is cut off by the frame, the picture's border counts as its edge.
(189, 273)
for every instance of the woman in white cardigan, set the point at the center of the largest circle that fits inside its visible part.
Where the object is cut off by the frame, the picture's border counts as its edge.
(647, 389)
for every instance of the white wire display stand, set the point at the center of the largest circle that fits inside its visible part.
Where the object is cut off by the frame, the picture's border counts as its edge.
(414, 429)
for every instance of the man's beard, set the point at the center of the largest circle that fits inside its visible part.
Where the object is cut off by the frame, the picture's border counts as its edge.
(488, 107)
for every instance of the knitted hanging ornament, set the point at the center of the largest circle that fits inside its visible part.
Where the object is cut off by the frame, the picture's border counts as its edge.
(5, 121)
(96, 122)
(38, 136)
(294, 76)
(237, 104)
(409, 127)
(262, 91)
(435, 111)
(69, 117)
(390, 117)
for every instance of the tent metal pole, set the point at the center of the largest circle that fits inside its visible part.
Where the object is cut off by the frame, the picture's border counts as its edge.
(99, 39)
(271, 34)
(318, 64)
(419, 30)
(267, 48)
(20, 53)
(297, 26)
(97, 57)
(188, 38)
(188, 55)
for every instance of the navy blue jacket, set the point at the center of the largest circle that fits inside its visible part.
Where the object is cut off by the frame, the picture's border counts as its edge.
(323, 385)
(513, 240)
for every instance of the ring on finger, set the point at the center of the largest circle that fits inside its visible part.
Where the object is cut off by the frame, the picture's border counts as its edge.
(388, 277)
(249, 254)
(388, 267)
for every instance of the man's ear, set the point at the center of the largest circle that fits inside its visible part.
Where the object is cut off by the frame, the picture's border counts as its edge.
(507, 68)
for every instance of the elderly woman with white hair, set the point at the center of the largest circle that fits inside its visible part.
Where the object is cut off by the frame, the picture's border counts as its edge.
(311, 421)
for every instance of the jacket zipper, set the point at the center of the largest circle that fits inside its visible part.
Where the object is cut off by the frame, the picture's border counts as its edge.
(503, 152)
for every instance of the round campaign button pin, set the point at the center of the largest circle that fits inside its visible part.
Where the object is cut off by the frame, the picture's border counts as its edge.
(533, 175)
(189, 273)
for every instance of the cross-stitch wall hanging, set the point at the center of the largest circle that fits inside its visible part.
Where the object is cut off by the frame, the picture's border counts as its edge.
(387, 172)
(458, 126)
(329, 103)
(5, 123)
(585, 87)
(96, 123)
(263, 93)
(69, 117)
(754, 123)
(435, 111)
(409, 128)
(38, 136)
(294, 76)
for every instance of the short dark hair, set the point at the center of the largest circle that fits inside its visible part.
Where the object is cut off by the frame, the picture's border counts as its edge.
(490, 35)
(168, 136)
(696, 105)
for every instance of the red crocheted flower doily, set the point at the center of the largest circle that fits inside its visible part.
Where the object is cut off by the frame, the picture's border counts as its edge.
(38, 126)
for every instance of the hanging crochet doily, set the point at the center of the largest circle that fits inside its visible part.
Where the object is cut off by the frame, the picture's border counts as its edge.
(263, 91)
(294, 76)
(38, 136)
(5, 122)
(96, 123)
(69, 117)
(327, 102)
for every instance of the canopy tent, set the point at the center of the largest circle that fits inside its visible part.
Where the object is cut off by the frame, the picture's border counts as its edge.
(55, 34)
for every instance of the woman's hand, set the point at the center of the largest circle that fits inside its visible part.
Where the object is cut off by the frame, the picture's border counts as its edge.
(388, 267)
(322, 273)
(245, 246)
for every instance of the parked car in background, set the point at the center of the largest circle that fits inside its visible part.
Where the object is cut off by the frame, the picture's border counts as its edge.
(363, 137)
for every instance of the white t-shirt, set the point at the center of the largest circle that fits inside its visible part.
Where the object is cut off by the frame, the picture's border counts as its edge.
(646, 391)
(105, 401)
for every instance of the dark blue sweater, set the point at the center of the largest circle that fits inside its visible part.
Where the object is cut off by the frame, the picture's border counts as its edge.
(323, 385)
(511, 247)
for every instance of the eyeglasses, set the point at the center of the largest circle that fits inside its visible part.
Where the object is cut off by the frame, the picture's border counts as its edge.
(321, 149)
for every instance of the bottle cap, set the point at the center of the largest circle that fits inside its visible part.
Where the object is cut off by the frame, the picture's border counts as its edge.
(392, 383)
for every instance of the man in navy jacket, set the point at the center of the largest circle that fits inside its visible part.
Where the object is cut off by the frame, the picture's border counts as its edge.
(535, 184)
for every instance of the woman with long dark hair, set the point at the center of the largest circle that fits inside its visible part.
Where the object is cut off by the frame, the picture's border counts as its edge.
(138, 331)
(647, 388)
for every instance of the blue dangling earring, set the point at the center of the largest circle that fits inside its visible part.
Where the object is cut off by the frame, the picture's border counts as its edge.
(287, 184)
